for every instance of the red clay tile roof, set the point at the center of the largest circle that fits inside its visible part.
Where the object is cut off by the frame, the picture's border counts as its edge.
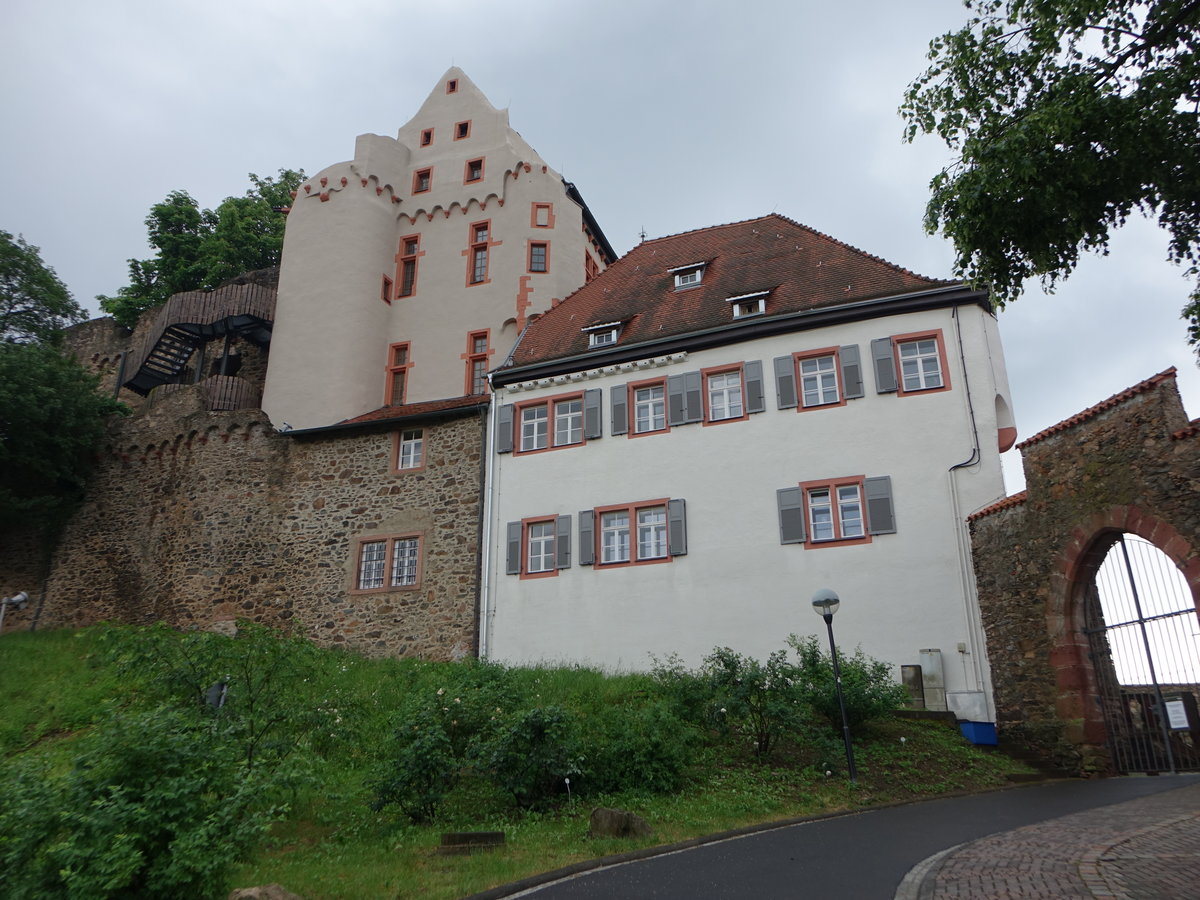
(1192, 429)
(802, 268)
(413, 410)
(1015, 500)
(1093, 411)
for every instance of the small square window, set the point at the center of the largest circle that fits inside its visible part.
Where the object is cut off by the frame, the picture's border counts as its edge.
(462, 130)
(422, 180)
(385, 291)
(426, 137)
(452, 86)
(748, 305)
(688, 276)
(474, 171)
(538, 256)
(410, 450)
(602, 338)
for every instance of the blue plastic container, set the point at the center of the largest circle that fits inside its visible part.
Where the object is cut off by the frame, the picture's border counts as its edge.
(979, 732)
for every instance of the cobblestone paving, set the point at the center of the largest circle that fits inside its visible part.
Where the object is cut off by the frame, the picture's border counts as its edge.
(1145, 849)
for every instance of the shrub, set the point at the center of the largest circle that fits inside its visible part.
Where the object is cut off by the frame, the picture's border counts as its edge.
(420, 774)
(868, 689)
(153, 807)
(640, 748)
(531, 754)
(760, 701)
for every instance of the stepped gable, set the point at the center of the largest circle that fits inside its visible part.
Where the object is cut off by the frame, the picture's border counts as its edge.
(802, 269)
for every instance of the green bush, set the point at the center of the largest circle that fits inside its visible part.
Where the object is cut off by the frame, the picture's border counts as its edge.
(154, 806)
(637, 748)
(760, 701)
(421, 773)
(868, 688)
(532, 753)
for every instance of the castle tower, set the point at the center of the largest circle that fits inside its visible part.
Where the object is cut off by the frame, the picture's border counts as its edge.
(409, 271)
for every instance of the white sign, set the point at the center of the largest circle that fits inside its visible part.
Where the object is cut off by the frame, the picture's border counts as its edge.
(1176, 715)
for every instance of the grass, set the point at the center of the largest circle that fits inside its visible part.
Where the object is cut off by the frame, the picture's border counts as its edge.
(332, 845)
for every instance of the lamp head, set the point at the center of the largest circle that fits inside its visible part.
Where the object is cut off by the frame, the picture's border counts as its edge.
(825, 602)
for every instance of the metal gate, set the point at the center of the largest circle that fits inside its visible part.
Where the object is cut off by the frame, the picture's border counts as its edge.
(1144, 643)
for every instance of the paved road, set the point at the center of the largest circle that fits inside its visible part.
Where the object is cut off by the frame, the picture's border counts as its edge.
(861, 856)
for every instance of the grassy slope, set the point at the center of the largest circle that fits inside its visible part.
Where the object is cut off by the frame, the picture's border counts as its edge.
(333, 846)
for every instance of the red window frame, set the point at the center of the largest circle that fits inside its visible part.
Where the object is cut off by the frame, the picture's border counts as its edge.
(526, 525)
(389, 558)
(399, 362)
(467, 179)
(631, 402)
(705, 374)
(385, 290)
(831, 485)
(551, 405)
(631, 510)
(462, 130)
(535, 209)
(934, 335)
(797, 358)
(426, 137)
(422, 176)
(452, 86)
(397, 446)
(545, 245)
(406, 265)
(475, 357)
(479, 238)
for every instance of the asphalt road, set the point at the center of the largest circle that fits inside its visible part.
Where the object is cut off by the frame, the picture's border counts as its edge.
(861, 855)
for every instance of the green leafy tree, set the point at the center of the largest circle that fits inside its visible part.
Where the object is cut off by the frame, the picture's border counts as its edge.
(51, 419)
(34, 304)
(202, 248)
(1068, 116)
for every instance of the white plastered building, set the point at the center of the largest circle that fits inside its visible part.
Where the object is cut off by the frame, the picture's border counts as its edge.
(727, 420)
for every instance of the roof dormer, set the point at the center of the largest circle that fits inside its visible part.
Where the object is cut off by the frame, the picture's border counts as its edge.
(689, 276)
(743, 306)
(602, 334)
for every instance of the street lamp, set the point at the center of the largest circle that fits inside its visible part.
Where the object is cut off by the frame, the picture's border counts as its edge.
(19, 600)
(825, 603)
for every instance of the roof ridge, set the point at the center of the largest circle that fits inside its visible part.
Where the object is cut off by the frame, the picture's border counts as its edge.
(1104, 405)
(849, 246)
(1015, 500)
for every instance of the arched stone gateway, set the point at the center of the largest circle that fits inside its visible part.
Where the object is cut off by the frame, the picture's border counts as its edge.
(1127, 466)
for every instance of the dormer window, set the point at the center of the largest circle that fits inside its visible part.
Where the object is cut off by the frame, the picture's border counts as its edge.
(688, 276)
(746, 305)
(602, 335)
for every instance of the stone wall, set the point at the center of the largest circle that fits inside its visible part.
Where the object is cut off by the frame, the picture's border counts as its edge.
(1129, 464)
(200, 518)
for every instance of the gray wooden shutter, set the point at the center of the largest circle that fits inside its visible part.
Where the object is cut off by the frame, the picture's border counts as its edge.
(620, 409)
(593, 400)
(881, 517)
(785, 382)
(504, 429)
(852, 380)
(885, 365)
(693, 395)
(514, 548)
(562, 543)
(676, 410)
(791, 515)
(677, 527)
(755, 402)
(587, 538)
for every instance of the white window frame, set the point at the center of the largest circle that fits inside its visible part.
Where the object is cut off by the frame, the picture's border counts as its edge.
(823, 378)
(614, 537)
(568, 422)
(406, 554)
(411, 452)
(689, 276)
(655, 409)
(534, 428)
(540, 547)
(835, 512)
(653, 539)
(726, 398)
(388, 563)
(744, 306)
(914, 359)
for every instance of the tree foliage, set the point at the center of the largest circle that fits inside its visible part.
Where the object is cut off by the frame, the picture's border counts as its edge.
(203, 248)
(34, 304)
(51, 419)
(1068, 116)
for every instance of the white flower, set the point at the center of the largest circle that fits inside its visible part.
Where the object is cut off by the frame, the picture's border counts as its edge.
(441, 691)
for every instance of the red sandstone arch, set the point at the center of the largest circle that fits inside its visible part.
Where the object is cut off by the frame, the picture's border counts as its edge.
(1077, 566)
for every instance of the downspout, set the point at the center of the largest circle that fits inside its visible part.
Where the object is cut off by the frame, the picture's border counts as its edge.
(966, 569)
(481, 530)
(488, 469)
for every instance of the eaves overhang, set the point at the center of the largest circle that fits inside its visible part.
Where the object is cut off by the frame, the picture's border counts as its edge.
(744, 330)
(458, 412)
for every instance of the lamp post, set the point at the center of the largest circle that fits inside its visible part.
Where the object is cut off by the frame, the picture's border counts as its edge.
(19, 600)
(825, 603)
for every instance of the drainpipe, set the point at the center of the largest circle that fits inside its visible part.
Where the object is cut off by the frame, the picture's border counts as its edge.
(485, 538)
(974, 620)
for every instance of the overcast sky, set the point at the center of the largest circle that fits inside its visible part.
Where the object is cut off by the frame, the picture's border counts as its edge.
(668, 116)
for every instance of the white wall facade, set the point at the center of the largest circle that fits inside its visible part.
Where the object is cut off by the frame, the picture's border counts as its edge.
(738, 585)
(334, 319)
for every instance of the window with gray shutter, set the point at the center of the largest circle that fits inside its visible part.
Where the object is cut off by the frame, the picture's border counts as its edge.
(514, 548)
(593, 402)
(791, 515)
(785, 382)
(881, 517)
(504, 429)
(852, 380)
(587, 537)
(562, 543)
(755, 401)
(685, 398)
(677, 527)
(619, 395)
(885, 365)
(675, 400)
